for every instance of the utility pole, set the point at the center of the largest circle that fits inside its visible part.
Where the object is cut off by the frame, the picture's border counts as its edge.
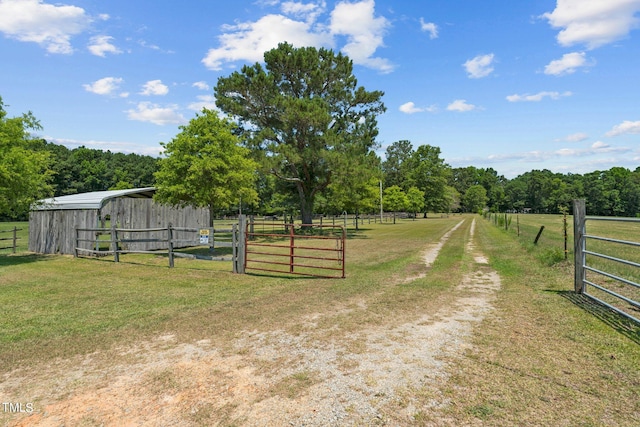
(381, 202)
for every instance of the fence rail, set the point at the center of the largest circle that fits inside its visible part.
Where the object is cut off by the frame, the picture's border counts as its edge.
(14, 239)
(299, 249)
(121, 241)
(614, 284)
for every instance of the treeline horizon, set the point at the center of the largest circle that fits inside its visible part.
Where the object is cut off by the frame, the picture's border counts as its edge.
(612, 192)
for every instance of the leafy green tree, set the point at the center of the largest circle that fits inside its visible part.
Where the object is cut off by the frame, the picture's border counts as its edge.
(415, 200)
(430, 174)
(206, 167)
(354, 187)
(24, 167)
(475, 199)
(397, 164)
(394, 200)
(297, 113)
(452, 199)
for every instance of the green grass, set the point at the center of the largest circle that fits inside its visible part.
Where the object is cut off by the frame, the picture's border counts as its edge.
(57, 306)
(544, 356)
(550, 250)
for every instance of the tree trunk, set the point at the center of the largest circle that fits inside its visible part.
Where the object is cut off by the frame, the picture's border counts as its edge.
(306, 209)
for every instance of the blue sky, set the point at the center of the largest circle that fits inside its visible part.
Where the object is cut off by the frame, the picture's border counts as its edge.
(512, 85)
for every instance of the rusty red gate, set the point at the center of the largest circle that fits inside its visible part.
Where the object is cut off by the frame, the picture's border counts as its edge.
(302, 249)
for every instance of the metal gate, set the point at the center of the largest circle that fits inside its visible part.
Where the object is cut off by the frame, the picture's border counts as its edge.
(301, 249)
(609, 271)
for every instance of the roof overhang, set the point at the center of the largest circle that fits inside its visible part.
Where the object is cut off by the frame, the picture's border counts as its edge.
(94, 200)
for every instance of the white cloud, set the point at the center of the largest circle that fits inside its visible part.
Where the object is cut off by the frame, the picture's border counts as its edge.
(153, 113)
(480, 66)
(201, 85)
(100, 45)
(204, 101)
(537, 97)
(364, 32)
(568, 64)
(410, 108)
(624, 128)
(461, 106)
(154, 87)
(357, 22)
(106, 86)
(575, 137)
(599, 145)
(430, 28)
(51, 26)
(307, 11)
(248, 41)
(593, 22)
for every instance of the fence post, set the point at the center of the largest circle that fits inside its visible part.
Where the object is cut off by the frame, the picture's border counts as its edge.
(291, 246)
(579, 213)
(234, 247)
(15, 238)
(170, 241)
(242, 245)
(535, 242)
(114, 242)
(75, 246)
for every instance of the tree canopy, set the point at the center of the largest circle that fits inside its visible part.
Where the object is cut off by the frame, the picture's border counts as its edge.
(300, 113)
(206, 167)
(24, 167)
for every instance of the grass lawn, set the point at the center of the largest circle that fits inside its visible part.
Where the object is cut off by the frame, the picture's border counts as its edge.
(544, 356)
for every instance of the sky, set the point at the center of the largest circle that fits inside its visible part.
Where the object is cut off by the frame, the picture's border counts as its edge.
(511, 85)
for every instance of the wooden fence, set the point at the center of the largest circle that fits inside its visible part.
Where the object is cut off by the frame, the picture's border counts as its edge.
(14, 239)
(170, 238)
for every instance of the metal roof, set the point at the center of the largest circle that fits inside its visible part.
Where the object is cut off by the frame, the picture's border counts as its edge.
(93, 200)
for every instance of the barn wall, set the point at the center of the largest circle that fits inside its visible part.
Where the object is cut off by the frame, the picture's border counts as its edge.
(53, 232)
(145, 213)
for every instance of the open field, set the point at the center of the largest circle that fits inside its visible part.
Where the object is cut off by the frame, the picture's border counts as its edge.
(483, 334)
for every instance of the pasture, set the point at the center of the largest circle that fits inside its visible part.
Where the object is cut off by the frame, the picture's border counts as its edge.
(537, 354)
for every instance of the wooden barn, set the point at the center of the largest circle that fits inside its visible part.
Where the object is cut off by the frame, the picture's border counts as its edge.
(53, 222)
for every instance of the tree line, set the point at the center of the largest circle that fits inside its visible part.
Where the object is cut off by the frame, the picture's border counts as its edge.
(295, 135)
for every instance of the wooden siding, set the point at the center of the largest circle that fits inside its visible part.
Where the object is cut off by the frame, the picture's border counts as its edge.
(144, 213)
(53, 231)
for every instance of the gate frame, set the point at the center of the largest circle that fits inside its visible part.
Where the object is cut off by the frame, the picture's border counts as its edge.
(580, 258)
(291, 256)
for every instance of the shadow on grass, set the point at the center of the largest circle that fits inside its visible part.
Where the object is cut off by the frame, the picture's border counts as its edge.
(285, 275)
(20, 259)
(615, 320)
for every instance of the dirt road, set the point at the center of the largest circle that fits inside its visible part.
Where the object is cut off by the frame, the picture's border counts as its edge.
(274, 378)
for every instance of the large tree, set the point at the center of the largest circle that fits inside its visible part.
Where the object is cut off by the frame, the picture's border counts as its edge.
(430, 174)
(299, 113)
(395, 200)
(206, 167)
(24, 166)
(397, 164)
